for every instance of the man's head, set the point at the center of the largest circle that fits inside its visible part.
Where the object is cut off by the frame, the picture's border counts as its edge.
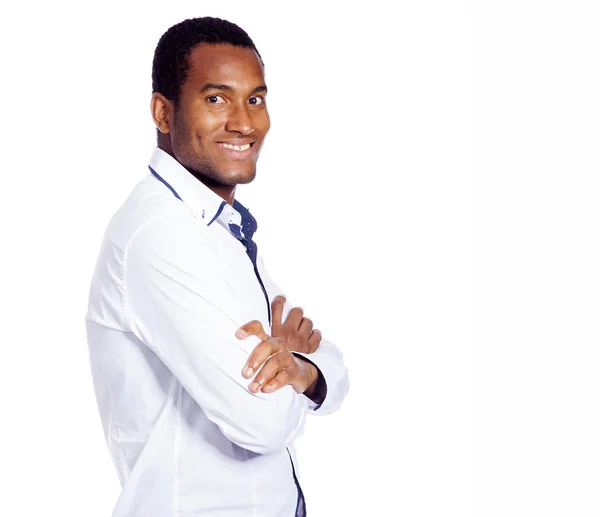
(208, 100)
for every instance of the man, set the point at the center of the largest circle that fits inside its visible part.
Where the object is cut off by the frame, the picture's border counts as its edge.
(200, 406)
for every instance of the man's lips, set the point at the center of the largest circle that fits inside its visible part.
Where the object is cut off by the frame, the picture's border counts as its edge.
(238, 149)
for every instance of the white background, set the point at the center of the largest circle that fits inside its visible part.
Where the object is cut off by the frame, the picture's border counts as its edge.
(365, 198)
(534, 266)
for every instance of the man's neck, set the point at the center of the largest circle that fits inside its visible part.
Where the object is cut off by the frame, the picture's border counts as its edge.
(226, 192)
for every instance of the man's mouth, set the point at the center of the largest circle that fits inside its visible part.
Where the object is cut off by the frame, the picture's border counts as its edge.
(238, 151)
(236, 147)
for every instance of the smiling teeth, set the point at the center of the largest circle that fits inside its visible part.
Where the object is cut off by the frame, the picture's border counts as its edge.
(236, 147)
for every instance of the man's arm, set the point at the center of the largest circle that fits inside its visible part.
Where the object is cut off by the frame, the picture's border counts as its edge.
(327, 357)
(182, 304)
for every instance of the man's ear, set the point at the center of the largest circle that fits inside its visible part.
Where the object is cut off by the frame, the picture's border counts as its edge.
(162, 112)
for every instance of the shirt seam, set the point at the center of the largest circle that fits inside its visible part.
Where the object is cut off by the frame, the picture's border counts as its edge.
(121, 293)
(254, 514)
(176, 450)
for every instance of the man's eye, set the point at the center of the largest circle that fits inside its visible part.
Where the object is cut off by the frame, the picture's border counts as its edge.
(256, 101)
(215, 99)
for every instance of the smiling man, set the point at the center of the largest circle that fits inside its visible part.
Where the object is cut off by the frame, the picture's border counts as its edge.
(203, 372)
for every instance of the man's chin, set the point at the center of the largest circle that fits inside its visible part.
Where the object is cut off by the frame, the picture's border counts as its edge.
(246, 179)
(230, 178)
(237, 177)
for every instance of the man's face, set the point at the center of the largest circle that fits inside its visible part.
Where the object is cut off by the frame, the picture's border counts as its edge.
(221, 119)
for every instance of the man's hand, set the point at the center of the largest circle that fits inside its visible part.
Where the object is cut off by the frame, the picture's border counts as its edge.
(280, 366)
(297, 331)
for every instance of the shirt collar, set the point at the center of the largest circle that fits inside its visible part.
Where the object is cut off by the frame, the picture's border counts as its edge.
(208, 206)
(203, 201)
(237, 219)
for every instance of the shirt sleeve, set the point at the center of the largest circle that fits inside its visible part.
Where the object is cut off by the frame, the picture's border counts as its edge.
(328, 358)
(184, 306)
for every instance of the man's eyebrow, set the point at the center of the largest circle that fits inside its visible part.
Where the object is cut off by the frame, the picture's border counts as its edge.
(214, 86)
(226, 87)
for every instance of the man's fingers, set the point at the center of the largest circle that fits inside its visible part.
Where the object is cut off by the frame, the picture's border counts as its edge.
(314, 340)
(274, 364)
(306, 326)
(276, 312)
(295, 317)
(279, 381)
(259, 355)
(252, 328)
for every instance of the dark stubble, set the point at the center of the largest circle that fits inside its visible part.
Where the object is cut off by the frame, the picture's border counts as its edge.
(201, 167)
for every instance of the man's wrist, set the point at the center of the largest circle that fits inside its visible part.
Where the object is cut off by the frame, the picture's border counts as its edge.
(317, 389)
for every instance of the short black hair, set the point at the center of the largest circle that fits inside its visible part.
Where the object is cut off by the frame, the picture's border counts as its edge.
(170, 64)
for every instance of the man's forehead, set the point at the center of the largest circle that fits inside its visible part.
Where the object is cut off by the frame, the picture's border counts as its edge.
(210, 63)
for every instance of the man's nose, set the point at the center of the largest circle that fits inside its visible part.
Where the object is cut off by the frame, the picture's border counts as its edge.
(239, 120)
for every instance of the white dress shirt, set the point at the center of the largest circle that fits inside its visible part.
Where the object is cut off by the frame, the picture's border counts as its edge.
(171, 286)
